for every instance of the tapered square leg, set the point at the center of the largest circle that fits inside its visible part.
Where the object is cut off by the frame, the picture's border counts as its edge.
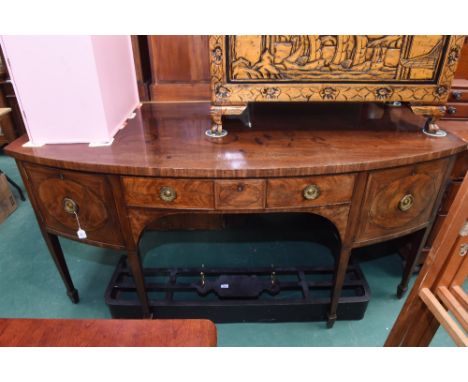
(134, 261)
(56, 252)
(340, 273)
(417, 241)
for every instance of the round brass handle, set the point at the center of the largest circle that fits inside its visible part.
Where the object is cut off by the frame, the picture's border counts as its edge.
(311, 192)
(70, 206)
(168, 194)
(406, 202)
(451, 110)
(457, 95)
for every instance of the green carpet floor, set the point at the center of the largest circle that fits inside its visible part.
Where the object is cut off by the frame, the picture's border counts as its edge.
(30, 286)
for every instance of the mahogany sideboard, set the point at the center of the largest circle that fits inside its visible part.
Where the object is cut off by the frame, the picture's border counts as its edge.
(367, 168)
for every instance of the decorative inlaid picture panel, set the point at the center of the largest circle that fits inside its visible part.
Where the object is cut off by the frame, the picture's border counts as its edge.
(340, 58)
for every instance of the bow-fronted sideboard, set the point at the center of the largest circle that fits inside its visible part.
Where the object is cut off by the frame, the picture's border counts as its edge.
(365, 168)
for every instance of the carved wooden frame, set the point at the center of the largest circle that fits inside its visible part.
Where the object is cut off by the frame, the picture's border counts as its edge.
(224, 94)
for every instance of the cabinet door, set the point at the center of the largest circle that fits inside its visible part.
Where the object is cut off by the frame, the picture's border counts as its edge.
(59, 192)
(400, 199)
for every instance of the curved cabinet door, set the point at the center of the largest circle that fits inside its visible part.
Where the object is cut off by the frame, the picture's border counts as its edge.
(399, 200)
(59, 194)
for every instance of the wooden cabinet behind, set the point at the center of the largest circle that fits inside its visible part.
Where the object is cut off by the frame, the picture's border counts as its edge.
(179, 68)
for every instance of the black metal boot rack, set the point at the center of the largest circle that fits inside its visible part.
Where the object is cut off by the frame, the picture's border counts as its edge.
(239, 295)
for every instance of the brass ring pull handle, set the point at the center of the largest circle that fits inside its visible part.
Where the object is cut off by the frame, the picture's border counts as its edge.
(168, 194)
(406, 202)
(311, 192)
(70, 206)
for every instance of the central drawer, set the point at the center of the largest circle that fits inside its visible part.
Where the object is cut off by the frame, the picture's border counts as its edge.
(240, 194)
(309, 191)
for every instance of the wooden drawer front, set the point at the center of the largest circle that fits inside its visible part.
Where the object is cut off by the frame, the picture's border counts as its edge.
(235, 194)
(92, 196)
(188, 193)
(289, 192)
(456, 110)
(382, 214)
(458, 95)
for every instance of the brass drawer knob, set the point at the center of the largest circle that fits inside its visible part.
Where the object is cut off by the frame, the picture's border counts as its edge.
(168, 194)
(311, 192)
(406, 202)
(70, 206)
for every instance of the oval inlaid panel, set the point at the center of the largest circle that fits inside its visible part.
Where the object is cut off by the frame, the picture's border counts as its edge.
(91, 210)
(385, 211)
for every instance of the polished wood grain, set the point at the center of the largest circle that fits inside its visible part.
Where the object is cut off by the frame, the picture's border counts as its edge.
(189, 193)
(286, 141)
(240, 194)
(23, 332)
(386, 189)
(286, 192)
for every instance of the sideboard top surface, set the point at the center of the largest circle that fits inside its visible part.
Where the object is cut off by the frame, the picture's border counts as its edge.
(168, 139)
